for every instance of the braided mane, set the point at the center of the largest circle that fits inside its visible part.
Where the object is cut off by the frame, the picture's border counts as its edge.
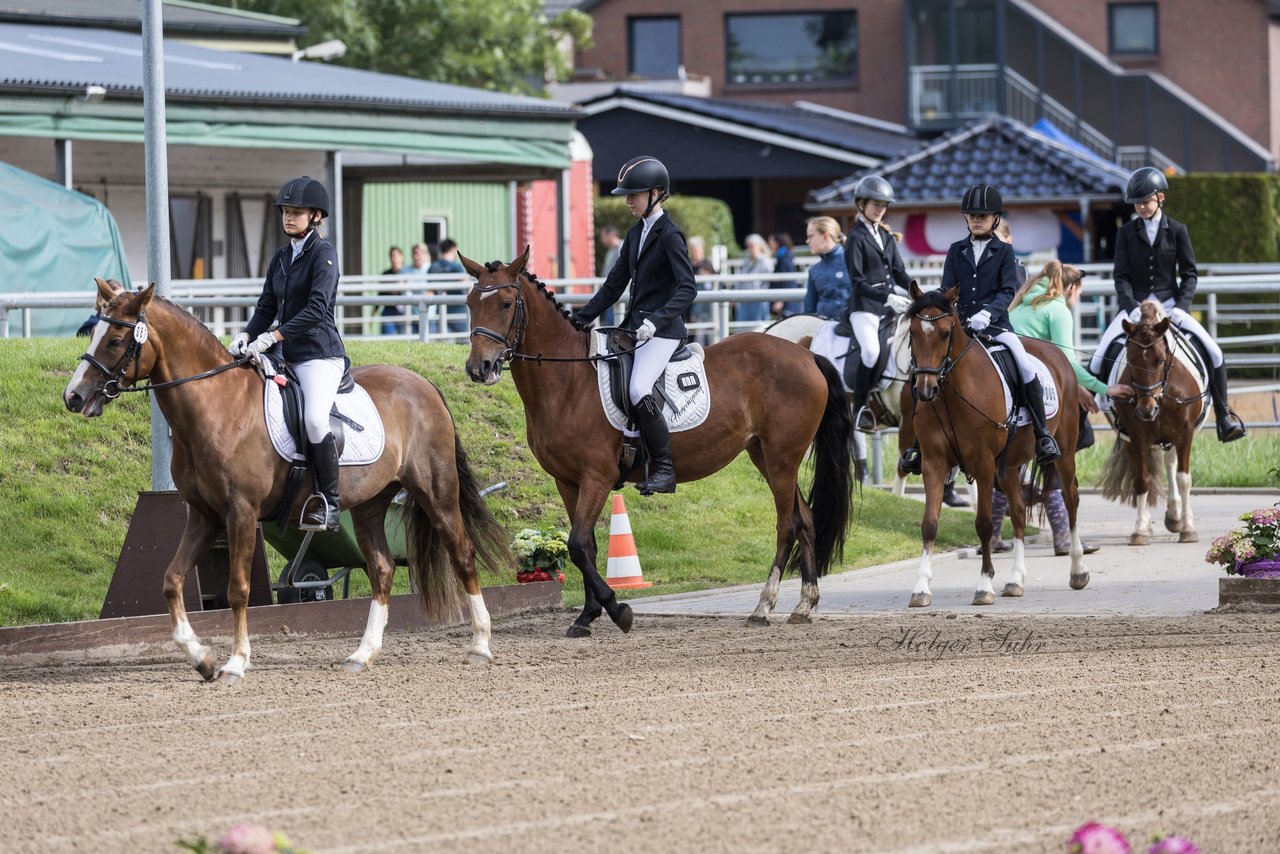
(494, 266)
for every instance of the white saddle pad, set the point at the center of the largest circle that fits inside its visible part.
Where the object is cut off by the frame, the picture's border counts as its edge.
(835, 348)
(684, 384)
(360, 447)
(1046, 382)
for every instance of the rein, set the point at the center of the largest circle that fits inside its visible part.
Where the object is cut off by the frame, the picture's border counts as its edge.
(519, 324)
(112, 389)
(1156, 391)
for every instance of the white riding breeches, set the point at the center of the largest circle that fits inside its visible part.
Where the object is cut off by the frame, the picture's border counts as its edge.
(866, 331)
(1010, 340)
(651, 360)
(1188, 325)
(319, 379)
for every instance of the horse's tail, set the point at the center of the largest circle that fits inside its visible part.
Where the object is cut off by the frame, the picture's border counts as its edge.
(831, 497)
(429, 563)
(1117, 475)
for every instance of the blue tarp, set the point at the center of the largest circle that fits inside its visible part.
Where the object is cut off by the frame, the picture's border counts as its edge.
(55, 239)
(1048, 129)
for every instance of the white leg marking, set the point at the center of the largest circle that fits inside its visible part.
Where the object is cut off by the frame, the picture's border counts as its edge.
(768, 596)
(480, 631)
(925, 573)
(984, 584)
(1174, 481)
(1018, 572)
(1144, 517)
(899, 486)
(1184, 487)
(1077, 553)
(371, 642)
(185, 637)
(236, 665)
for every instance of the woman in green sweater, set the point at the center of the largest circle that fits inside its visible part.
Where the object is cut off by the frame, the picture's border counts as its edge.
(1042, 309)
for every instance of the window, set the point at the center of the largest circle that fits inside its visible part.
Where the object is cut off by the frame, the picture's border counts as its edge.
(1131, 29)
(653, 45)
(806, 47)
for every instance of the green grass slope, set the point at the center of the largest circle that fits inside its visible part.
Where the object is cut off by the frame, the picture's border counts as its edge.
(68, 486)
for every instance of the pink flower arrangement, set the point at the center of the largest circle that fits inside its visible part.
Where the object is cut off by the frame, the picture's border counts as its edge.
(1094, 838)
(1258, 540)
(248, 839)
(1173, 845)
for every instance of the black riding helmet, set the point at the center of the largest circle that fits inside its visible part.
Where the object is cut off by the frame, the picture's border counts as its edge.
(982, 199)
(1143, 184)
(875, 188)
(641, 174)
(304, 192)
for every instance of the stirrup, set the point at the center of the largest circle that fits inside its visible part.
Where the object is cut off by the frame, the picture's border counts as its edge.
(1047, 450)
(322, 518)
(910, 461)
(865, 420)
(1231, 427)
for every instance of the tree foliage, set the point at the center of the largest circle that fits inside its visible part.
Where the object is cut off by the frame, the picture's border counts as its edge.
(503, 45)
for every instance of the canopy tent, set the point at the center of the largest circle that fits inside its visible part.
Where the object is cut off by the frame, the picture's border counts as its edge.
(54, 239)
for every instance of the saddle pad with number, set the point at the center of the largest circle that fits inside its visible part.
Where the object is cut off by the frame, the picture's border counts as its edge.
(362, 446)
(686, 396)
(1042, 372)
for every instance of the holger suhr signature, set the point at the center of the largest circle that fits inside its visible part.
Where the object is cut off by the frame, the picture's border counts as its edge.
(935, 644)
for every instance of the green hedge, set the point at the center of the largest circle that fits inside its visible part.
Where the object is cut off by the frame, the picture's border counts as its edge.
(1232, 218)
(695, 216)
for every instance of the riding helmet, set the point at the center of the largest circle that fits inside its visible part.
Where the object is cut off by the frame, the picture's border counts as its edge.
(1143, 184)
(641, 173)
(304, 192)
(982, 199)
(875, 188)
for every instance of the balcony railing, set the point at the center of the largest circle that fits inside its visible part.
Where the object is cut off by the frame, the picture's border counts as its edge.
(948, 94)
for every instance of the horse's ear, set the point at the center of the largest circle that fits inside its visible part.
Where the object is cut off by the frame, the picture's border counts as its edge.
(471, 266)
(516, 267)
(1128, 328)
(1162, 327)
(143, 298)
(914, 290)
(952, 295)
(106, 292)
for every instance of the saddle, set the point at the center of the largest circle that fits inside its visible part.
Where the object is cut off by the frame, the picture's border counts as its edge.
(853, 357)
(622, 343)
(275, 369)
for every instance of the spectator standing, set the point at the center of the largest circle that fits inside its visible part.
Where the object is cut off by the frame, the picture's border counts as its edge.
(700, 312)
(447, 262)
(421, 266)
(393, 327)
(612, 242)
(758, 261)
(784, 262)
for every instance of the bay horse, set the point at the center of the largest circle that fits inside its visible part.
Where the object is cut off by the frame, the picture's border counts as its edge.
(961, 419)
(768, 396)
(1149, 433)
(229, 475)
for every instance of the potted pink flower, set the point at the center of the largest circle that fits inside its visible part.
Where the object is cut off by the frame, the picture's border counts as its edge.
(1252, 551)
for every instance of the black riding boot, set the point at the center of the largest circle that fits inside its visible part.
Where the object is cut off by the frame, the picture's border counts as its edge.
(321, 510)
(1046, 448)
(949, 495)
(653, 429)
(910, 460)
(864, 421)
(1230, 425)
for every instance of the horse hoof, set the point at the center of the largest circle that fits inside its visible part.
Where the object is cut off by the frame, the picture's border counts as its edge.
(800, 619)
(478, 658)
(1189, 537)
(758, 622)
(1080, 581)
(353, 666)
(1012, 589)
(207, 668)
(920, 600)
(983, 597)
(624, 618)
(1172, 524)
(1139, 540)
(226, 677)
(577, 631)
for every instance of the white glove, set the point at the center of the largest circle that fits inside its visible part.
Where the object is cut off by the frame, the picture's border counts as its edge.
(1178, 316)
(646, 330)
(898, 303)
(239, 345)
(980, 321)
(263, 343)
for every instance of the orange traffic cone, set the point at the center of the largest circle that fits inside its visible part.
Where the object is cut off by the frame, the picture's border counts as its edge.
(624, 564)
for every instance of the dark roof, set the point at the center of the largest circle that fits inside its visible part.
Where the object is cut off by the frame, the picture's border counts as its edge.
(179, 17)
(846, 132)
(552, 8)
(67, 59)
(1021, 163)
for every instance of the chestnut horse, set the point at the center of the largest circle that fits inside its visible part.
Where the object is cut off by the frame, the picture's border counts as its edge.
(961, 419)
(768, 396)
(1148, 426)
(229, 475)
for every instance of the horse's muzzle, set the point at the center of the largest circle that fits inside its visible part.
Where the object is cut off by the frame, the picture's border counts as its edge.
(925, 391)
(90, 407)
(485, 371)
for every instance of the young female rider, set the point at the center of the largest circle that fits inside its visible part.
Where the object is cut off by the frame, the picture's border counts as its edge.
(875, 266)
(982, 266)
(827, 290)
(1154, 261)
(655, 260)
(299, 293)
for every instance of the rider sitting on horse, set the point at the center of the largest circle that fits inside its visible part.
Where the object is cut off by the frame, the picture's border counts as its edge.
(982, 267)
(655, 260)
(299, 293)
(875, 266)
(1154, 261)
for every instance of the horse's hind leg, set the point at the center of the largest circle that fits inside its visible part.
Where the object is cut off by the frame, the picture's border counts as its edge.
(984, 476)
(1071, 498)
(369, 521)
(1011, 486)
(794, 523)
(1173, 506)
(197, 539)
(1180, 467)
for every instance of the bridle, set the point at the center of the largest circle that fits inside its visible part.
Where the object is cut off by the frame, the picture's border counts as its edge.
(112, 389)
(1155, 391)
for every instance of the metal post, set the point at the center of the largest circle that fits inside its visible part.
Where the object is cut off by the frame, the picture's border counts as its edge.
(333, 172)
(1086, 230)
(563, 227)
(157, 176)
(877, 461)
(62, 162)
